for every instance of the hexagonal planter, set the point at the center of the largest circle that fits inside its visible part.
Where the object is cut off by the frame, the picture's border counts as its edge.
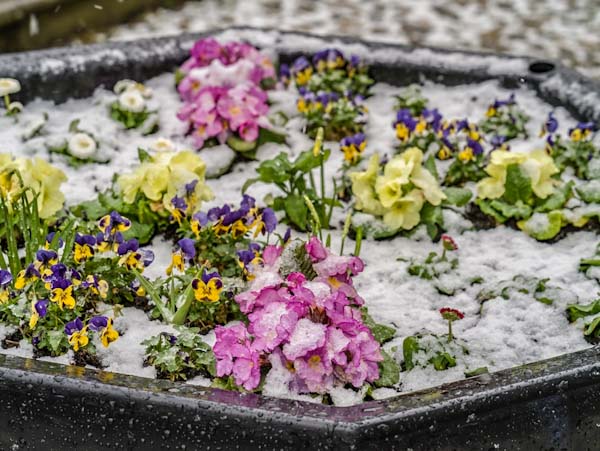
(552, 404)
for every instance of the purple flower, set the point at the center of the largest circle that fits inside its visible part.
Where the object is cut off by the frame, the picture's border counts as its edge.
(98, 323)
(5, 277)
(500, 103)
(50, 238)
(201, 217)
(46, 256)
(269, 219)
(41, 307)
(73, 326)
(300, 64)
(188, 247)
(497, 141)
(247, 203)
(551, 124)
(475, 146)
(85, 240)
(131, 245)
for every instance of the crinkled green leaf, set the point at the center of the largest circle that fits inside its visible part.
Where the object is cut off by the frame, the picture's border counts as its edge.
(457, 196)
(517, 186)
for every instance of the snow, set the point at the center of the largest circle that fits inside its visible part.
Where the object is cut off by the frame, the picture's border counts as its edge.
(501, 334)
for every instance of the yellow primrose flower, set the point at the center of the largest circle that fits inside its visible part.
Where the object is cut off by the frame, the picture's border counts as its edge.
(161, 178)
(363, 187)
(38, 175)
(407, 167)
(405, 213)
(538, 166)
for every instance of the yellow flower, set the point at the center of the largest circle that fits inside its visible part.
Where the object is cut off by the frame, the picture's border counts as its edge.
(538, 166)
(108, 334)
(63, 296)
(163, 176)
(363, 187)
(176, 263)
(79, 339)
(38, 175)
(405, 213)
(211, 290)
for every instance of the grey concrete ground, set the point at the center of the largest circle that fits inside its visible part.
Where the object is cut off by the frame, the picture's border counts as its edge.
(568, 30)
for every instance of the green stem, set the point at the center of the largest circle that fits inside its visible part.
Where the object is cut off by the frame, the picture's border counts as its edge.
(450, 337)
(7, 102)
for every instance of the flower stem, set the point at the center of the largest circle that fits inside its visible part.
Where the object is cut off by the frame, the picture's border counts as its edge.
(7, 102)
(450, 337)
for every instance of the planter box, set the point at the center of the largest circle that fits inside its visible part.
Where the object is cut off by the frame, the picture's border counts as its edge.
(552, 404)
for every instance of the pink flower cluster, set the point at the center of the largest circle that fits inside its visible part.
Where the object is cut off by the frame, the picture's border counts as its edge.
(313, 326)
(218, 111)
(205, 51)
(221, 91)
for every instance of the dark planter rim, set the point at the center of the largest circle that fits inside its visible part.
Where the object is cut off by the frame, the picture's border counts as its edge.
(63, 69)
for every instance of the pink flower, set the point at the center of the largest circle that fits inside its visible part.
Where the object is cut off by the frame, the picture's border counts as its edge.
(364, 364)
(274, 323)
(248, 131)
(249, 300)
(315, 249)
(307, 336)
(235, 354)
(271, 253)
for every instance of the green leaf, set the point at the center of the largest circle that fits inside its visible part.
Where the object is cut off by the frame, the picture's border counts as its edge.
(277, 170)
(557, 200)
(576, 311)
(442, 361)
(143, 155)
(458, 196)
(296, 210)
(381, 332)
(431, 167)
(389, 371)
(56, 340)
(517, 186)
(143, 232)
(542, 226)
(589, 192)
(306, 161)
(517, 210)
(433, 218)
(74, 126)
(592, 328)
(241, 145)
(410, 346)
(477, 372)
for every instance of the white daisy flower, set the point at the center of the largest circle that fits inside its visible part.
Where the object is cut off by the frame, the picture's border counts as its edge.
(163, 145)
(82, 145)
(9, 86)
(133, 101)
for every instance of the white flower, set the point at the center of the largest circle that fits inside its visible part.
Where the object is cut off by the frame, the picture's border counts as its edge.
(163, 145)
(132, 101)
(82, 145)
(124, 85)
(9, 86)
(15, 107)
(129, 85)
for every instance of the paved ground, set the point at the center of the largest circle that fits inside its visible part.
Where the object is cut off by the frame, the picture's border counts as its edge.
(568, 30)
